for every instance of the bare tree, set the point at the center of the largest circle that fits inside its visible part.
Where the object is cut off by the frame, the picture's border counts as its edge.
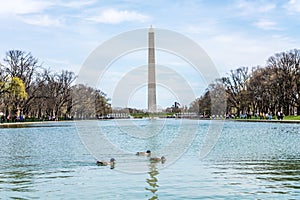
(284, 65)
(24, 66)
(57, 93)
(236, 88)
(88, 102)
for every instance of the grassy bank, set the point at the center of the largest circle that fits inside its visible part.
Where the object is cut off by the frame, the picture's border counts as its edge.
(286, 119)
(147, 115)
(292, 117)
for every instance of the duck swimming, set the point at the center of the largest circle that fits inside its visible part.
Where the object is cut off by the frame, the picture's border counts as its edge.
(147, 153)
(106, 163)
(155, 159)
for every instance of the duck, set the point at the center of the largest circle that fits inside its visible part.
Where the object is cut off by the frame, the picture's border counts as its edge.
(106, 163)
(156, 159)
(147, 153)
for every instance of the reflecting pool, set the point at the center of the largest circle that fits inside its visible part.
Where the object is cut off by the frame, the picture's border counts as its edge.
(58, 160)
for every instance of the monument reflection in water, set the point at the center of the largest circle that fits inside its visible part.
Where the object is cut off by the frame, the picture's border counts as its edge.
(152, 181)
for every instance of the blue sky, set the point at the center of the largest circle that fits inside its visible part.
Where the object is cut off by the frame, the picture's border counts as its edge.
(233, 33)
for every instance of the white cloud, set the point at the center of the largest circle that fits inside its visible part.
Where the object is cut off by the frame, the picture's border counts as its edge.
(21, 7)
(77, 4)
(41, 20)
(18, 7)
(252, 7)
(293, 6)
(233, 50)
(266, 24)
(112, 16)
(34, 11)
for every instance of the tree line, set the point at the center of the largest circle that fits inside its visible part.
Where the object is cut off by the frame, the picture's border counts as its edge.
(261, 90)
(28, 90)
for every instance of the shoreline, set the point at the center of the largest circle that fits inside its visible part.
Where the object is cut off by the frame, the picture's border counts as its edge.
(268, 121)
(23, 124)
(12, 124)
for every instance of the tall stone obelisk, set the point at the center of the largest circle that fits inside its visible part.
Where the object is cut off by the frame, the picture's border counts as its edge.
(151, 73)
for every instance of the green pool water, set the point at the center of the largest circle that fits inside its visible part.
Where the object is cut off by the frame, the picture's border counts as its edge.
(58, 160)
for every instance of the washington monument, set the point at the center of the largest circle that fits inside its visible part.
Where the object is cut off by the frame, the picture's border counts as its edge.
(151, 73)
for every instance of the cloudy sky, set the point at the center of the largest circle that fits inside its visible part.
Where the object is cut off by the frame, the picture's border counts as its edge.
(233, 33)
